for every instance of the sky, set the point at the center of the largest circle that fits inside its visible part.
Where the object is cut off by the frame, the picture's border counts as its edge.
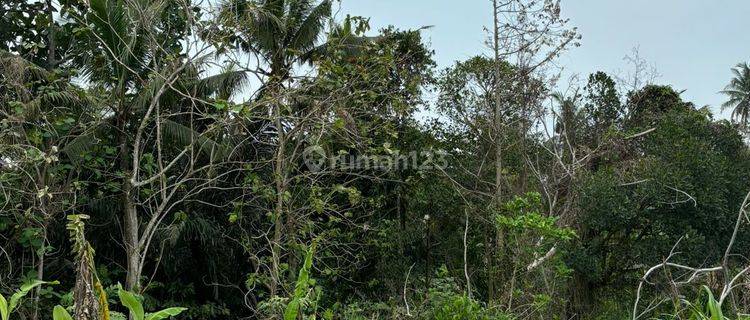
(692, 44)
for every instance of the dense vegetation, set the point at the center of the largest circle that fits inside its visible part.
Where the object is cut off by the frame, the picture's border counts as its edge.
(266, 159)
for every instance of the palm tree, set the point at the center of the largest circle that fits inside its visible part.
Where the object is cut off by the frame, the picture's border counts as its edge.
(281, 32)
(738, 92)
(568, 125)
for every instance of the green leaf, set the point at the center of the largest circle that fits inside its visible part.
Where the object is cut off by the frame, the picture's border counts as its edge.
(23, 291)
(713, 307)
(129, 300)
(4, 314)
(59, 313)
(166, 313)
(292, 309)
(300, 290)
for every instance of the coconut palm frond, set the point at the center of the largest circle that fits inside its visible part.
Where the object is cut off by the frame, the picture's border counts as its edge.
(184, 136)
(59, 98)
(738, 93)
(309, 31)
(223, 85)
(350, 46)
(260, 23)
(299, 8)
(275, 7)
(104, 206)
(117, 32)
(81, 145)
(146, 95)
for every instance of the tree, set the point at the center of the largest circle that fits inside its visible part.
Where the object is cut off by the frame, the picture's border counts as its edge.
(211, 191)
(281, 32)
(738, 92)
(42, 113)
(160, 151)
(32, 29)
(643, 192)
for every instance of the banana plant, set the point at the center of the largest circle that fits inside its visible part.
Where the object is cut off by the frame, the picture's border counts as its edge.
(301, 288)
(710, 310)
(7, 306)
(59, 313)
(713, 308)
(130, 301)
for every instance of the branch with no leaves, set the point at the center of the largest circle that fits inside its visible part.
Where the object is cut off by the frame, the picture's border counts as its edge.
(729, 281)
(539, 261)
(640, 134)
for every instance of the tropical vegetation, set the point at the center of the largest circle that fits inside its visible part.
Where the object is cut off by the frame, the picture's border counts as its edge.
(273, 159)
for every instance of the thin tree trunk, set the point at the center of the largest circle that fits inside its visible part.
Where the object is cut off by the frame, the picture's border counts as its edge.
(41, 181)
(279, 205)
(402, 221)
(40, 271)
(130, 213)
(134, 258)
(428, 267)
(489, 265)
(51, 45)
(50, 65)
(497, 122)
(497, 110)
(466, 259)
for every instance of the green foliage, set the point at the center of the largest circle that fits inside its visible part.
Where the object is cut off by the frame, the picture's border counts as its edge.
(546, 227)
(522, 215)
(738, 93)
(59, 313)
(130, 301)
(164, 314)
(285, 32)
(8, 306)
(460, 308)
(447, 302)
(135, 306)
(302, 286)
(4, 309)
(706, 307)
(713, 308)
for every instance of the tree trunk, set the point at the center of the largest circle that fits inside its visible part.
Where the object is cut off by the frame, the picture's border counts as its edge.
(51, 45)
(40, 270)
(41, 182)
(132, 282)
(497, 127)
(279, 177)
(130, 213)
(428, 267)
(581, 298)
